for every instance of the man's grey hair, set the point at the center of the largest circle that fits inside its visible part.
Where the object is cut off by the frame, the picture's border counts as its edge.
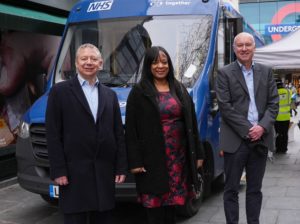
(243, 34)
(88, 45)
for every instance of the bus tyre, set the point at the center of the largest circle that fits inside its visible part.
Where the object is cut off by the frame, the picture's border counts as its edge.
(49, 200)
(192, 205)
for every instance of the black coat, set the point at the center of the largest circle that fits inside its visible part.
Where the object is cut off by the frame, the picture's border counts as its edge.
(145, 139)
(90, 154)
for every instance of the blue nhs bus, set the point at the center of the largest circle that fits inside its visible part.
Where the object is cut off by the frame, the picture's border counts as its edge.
(198, 34)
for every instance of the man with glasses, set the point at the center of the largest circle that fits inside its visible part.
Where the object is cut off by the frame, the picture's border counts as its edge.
(85, 140)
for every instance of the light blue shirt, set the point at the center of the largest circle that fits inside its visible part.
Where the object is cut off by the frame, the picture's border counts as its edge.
(91, 94)
(252, 111)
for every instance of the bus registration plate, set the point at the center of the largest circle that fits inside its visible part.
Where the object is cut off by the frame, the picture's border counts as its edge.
(54, 191)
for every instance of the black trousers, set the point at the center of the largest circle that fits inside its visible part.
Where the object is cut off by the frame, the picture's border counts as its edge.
(282, 128)
(254, 164)
(92, 217)
(161, 215)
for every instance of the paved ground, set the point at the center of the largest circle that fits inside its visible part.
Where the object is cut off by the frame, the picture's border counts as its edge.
(281, 202)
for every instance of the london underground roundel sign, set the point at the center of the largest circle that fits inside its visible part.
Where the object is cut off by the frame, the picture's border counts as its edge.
(281, 14)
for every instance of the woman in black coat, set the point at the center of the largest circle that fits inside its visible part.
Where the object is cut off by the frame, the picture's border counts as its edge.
(164, 151)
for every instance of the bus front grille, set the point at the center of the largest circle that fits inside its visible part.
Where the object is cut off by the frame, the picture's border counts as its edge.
(38, 140)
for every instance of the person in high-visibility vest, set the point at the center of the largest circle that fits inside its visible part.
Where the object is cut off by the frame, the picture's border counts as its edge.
(283, 118)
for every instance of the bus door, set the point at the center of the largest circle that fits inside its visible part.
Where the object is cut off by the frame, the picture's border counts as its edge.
(232, 26)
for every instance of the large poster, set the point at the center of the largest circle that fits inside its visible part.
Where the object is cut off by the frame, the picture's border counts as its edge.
(25, 62)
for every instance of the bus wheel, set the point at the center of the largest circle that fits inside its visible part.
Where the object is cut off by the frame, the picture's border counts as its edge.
(192, 205)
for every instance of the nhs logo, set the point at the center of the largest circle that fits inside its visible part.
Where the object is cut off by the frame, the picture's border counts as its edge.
(100, 6)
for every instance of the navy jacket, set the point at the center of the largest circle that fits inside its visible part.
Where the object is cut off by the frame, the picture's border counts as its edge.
(90, 154)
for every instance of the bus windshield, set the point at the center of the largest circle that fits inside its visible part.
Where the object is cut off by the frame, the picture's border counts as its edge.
(123, 42)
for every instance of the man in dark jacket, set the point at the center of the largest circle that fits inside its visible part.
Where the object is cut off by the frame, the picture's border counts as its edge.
(85, 140)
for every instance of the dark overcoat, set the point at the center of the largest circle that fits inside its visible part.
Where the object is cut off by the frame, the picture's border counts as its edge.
(145, 140)
(89, 153)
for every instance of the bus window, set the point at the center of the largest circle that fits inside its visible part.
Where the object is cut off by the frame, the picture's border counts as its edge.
(123, 42)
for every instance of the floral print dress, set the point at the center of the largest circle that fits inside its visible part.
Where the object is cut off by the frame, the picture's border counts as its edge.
(173, 129)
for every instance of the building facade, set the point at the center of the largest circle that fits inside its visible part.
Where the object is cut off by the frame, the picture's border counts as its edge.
(273, 19)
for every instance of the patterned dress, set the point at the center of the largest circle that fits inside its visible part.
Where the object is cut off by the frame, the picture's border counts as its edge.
(173, 129)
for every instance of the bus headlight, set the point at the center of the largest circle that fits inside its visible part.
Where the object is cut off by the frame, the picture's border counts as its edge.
(23, 130)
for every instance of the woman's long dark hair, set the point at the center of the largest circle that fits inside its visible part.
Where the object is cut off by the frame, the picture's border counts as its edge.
(147, 81)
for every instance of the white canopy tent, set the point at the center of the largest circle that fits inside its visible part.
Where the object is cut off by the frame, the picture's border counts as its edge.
(281, 55)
